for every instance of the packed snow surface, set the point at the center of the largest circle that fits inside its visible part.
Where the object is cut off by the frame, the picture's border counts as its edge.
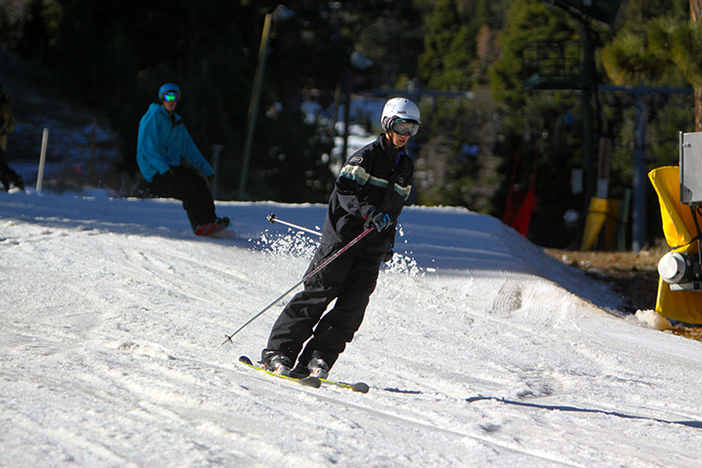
(480, 350)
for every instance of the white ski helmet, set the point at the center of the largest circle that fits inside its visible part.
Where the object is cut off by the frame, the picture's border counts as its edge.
(399, 109)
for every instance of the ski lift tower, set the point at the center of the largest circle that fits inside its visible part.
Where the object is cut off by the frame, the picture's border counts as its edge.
(582, 77)
(605, 11)
(567, 67)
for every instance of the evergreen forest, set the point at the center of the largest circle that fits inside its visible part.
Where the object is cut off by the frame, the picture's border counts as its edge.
(517, 96)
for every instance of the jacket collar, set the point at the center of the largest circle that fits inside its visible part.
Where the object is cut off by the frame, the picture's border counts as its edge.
(175, 119)
(394, 154)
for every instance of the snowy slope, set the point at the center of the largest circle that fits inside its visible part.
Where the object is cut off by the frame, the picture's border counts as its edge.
(479, 349)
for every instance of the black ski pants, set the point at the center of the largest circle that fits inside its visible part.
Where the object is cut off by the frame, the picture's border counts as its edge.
(350, 279)
(185, 184)
(7, 175)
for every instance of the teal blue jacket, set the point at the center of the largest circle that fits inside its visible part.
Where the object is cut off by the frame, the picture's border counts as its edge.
(162, 142)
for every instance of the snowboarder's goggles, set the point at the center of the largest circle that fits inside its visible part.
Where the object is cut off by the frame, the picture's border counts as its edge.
(171, 96)
(402, 127)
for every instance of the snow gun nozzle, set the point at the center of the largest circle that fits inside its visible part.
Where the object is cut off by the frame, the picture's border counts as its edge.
(271, 218)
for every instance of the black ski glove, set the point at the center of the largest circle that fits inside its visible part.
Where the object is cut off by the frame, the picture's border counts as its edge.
(380, 220)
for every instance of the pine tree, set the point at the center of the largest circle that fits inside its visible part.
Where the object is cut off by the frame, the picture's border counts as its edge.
(444, 65)
(687, 47)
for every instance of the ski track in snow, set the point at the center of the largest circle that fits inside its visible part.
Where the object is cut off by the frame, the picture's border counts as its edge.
(479, 349)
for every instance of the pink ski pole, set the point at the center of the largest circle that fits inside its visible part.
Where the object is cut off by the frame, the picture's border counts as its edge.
(309, 275)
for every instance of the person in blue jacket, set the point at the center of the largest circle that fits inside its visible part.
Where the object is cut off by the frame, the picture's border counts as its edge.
(162, 143)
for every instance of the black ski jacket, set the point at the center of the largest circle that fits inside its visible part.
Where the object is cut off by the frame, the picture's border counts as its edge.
(376, 176)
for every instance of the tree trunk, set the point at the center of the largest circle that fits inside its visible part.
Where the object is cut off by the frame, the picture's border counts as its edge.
(695, 16)
(695, 10)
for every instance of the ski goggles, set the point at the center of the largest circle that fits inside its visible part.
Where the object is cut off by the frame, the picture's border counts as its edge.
(402, 127)
(171, 96)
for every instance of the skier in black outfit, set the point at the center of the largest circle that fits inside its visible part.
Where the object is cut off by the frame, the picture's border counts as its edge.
(7, 124)
(371, 190)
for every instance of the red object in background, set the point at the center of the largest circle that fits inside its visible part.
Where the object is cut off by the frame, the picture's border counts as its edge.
(520, 204)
